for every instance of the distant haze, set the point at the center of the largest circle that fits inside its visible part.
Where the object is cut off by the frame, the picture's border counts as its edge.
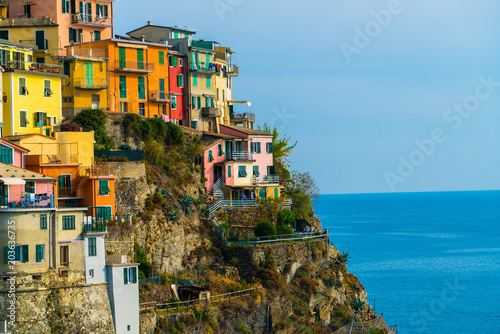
(358, 83)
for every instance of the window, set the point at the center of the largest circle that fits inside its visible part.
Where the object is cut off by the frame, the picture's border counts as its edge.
(6, 155)
(194, 124)
(103, 213)
(142, 88)
(252, 149)
(209, 82)
(97, 35)
(217, 93)
(256, 171)
(123, 87)
(180, 80)
(142, 109)
(195, 80)
(43, 221)
(96, 98)
(270, 170)
(99, 10)
(30, 187)
(269, 147)
(23, 118)
(66, 65)
(242, 171)
(91, 273)
(176, 35)
(210, 156)
(55, 120)
(20, 253)
(257, 147)
(40, 253)
(170, 60)
(174, 102)
(73, 35)
(47, 92)
(181, 62)
(64, 255)
(40, 118)
(104, 187)
(129, 275)
(92, 246)
(219, 150)
(124, 106)
(23, 90)
(68, 222)
(65, 6)
(229, 171)
(4, 34)
(161, 56)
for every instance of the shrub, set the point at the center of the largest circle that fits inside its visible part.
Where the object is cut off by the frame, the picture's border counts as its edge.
(265, 229)
(91, 119)
(141, 257)
(343, 257)
(186, 203)
(286, 217)
(284, 229)
(124, 147)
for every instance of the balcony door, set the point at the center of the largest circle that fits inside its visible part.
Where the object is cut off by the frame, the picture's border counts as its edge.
(162, 89)
(65, 185)
(64, 256)
(217, 173)
(40, 39)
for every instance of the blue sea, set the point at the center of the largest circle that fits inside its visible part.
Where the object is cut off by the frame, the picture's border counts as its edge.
(429, 261)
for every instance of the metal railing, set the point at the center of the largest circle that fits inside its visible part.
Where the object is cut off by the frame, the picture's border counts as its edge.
(277, 238)
(159, 95)
(239, 156)
(204, 67)
(211, 112)
(45, 200)
(245, 116)
(67, 192)
(86, 52)
(268, 179)
(90, 19)
(365, 327)
(233, 70)
(134, 66)
(31, 66)
(48, 159)
(95, 228)
(91, 83)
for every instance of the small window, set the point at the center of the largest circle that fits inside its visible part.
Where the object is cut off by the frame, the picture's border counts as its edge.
(229, 171)
(142, 109)
(210, 156)
(257, 147)
(47, 91)
(23, 90)
(209, 82)
(30, 187)
(174, 102)
(195, 80)
(92, 246)
(269, 147)
(65, 6)
(20, 253)
(170, 60)
(130, 275)
(104, 187)
(180, 80)
(242, 171)
(43, 221)
(181, 62)
(256, 171)
(6, 155)
(68, 222)
(219, 150)
(161, 56)
(23, 118)
(40, 253)
(91, 273)
(97, 35)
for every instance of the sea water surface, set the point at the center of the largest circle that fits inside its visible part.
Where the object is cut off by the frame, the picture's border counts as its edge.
(431, 261)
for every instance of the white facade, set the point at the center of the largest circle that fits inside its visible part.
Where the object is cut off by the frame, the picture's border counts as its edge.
(95, 258)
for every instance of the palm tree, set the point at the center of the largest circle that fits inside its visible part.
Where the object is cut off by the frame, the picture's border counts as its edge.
(281, 150)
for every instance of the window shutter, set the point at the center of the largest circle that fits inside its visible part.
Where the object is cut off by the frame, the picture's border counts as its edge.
(193, 102)
(179, 80)
(39, 256)
(64, 6)
(134, 275)
(73, 6)
(207, 57)
(161, 57)
(228, 171)
(106, 11)
(125, 275)
(199, 102)
(25, 252)
(195, 80)
(89, 11)
(209, 84)
(96, 9)
(44, 115)
(107, 213)
(175, 61)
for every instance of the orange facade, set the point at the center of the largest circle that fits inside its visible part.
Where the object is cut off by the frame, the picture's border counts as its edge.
(79, 21)
(138, 76)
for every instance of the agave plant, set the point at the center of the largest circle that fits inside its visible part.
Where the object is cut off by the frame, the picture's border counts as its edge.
(164, 193)
(358, 306)
(186, 203)
(173, 215)
(343, 257)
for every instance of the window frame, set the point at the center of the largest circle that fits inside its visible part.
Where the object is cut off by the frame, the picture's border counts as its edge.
(92, 246)
(68, 222)
(25, 86)
(242, 171)
(43, 221)
(40, 253)
(104, 188)
(47, 91)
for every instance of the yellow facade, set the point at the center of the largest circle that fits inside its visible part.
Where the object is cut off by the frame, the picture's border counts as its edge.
(33, 109)
(87, 85)
(221, 88)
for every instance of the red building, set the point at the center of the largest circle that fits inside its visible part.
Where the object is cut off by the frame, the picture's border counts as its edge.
(177, 68)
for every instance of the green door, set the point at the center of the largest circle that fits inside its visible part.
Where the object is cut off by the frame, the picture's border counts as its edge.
(275, 192)
(89, 75)
(142, 89)
(40, 39)
(121, 57)
(140, 59)
(162, 89)
(262, 193)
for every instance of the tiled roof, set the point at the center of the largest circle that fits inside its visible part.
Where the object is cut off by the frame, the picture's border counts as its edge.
(247, 130)
(12, 171)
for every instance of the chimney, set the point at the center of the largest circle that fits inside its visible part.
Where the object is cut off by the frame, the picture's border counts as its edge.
(143, 38)
(149, 23)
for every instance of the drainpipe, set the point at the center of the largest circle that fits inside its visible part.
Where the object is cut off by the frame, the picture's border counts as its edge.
(52, 240)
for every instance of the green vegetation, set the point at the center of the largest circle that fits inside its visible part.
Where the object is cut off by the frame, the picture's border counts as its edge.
(186, 203)
(281, 150)
(144, 265)
(343, 257)
(265, 229)
(95, 120)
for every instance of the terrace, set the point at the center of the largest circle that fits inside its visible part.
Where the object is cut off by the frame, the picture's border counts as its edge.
(134, 66)
(239, 156)
(93, 20)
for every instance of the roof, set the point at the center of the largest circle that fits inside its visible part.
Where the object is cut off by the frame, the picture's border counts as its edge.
(14, 44)
(27, 23)
(247, 130)
(25, 136)
(210, 139)
(121, 40)
(27, 175)
(8, 142)
(186, 29)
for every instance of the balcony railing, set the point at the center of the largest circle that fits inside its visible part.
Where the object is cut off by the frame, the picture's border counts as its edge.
(50, 159)
(37, 67)
(96, 227)
(211, 112)
(159, 96)
(233, 70)
(269, 179)
(134, 66)
(245, 116)
(67, 192)
(204, 67)
(91, 20)
(86, 52)
(96, 171)
(91, 83)
(33, 201)
(239, 156)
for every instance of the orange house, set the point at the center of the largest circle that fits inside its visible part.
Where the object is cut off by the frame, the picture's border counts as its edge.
(138, 76)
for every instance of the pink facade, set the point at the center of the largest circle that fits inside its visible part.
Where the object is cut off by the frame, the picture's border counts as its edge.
(17, 192)
(264, 159)
(16, 153)
(216, 151)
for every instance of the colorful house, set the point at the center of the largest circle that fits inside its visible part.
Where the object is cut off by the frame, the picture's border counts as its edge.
(78, 21)
(12, 153)
(224, 80)
(138, 75)
(178, 81)
(87, 84)
(31, 93)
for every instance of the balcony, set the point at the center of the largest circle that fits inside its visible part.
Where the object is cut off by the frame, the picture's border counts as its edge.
(134, 66)
(159, 96)
(245, 116)
(95, 227)
(202, 45)
(31, 201)
(35, 67)
(93, 20)
(74, 51)
(233, 71)
(266, 180)
(96, 171)
(239, 156)
(91, 83)
(211, 112)
(204, 67)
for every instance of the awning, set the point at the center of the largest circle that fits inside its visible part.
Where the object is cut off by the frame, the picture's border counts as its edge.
(13, 181)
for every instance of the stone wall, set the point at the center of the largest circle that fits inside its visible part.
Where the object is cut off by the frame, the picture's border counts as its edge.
(134, 170)
(46, 303)
(147, 323)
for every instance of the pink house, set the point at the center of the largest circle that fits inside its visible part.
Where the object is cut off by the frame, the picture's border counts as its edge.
(12, 154)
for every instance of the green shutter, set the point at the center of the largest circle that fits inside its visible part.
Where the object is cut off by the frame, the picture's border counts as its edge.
(210, 156)
(209, 83)
(175, 61)
(39, 253)
(89, 74)
(125, 275)
(193, 102)
(140, 59)
(107, 213)
(23, 118)
(44, 116)
(228, 171)
(123, 87)
(71, 36)
(142, 89)
(89, 11)
(199, 102)
(121, 57)
(195, 80)
(176, 35)
(179, 80)
(25, 253)
(64, 6)
(207, 57)
(161, 56)
(106, 11)
(134, 275)
(192, 59)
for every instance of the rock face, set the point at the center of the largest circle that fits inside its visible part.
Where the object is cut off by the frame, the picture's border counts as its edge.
(47, 304)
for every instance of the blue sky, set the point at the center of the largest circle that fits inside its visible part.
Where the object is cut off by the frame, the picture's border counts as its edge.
(357, 118)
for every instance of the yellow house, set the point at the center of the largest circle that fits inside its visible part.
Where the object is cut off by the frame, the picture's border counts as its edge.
(224, 81)
(31, 92)
(87, 85)
(68, 147)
